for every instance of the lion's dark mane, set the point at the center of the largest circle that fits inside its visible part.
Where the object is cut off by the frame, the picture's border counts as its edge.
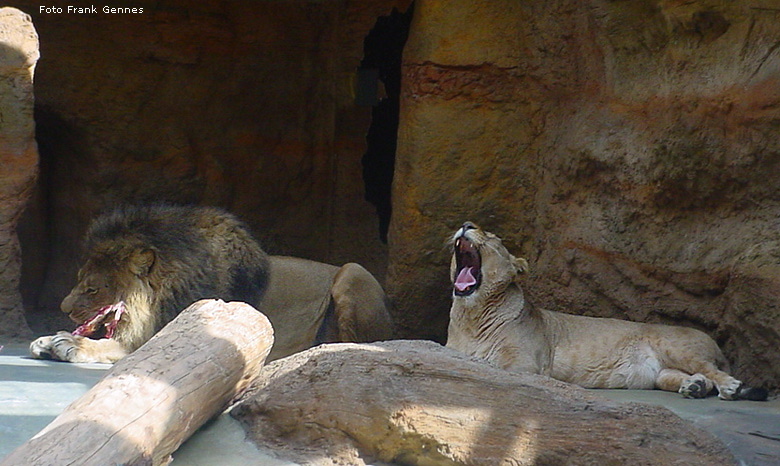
(200, 252)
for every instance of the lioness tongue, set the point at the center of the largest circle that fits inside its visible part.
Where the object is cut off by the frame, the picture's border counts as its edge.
(465, 279)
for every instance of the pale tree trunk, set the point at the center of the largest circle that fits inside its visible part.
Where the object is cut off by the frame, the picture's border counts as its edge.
(154, 399)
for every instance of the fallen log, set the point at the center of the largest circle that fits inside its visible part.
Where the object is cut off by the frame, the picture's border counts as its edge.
(419, 403)
(152, 400)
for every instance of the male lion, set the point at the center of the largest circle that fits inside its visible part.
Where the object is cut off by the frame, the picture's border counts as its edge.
(491, 319)
(145, 264)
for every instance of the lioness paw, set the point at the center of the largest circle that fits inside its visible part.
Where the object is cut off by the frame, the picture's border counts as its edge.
(41, 348)
(696, 386)
(729, 389)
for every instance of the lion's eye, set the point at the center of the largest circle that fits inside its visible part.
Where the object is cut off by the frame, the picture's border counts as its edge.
(91, 290)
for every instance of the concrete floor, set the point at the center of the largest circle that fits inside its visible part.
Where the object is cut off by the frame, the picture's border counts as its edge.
(33, 392)
(750, 429)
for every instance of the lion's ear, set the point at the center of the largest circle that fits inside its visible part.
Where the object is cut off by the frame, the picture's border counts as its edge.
(521, 265)
(141, 262)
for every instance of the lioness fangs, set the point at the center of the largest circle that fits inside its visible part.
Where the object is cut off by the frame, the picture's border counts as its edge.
(491, 319)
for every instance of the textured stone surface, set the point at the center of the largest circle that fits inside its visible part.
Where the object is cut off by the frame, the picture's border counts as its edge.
(18, 156)
(627, 149)
(418, 403)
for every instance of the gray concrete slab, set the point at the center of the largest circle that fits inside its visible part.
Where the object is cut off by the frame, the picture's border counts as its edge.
(33, 393)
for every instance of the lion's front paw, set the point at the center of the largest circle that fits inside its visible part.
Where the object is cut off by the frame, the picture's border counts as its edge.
(66, 347)
(696, 386)
(728, 390)
(41, 348)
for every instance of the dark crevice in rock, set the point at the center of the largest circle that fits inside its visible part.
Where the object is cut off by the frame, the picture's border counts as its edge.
(383, 49)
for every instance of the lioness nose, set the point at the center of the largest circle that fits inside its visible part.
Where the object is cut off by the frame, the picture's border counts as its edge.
(468, 226)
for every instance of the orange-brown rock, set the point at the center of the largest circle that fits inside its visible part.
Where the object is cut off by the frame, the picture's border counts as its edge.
(245, 105)
(18, 156)
(626, 149)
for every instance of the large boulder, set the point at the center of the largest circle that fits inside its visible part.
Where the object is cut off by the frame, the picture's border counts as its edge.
(18, 156)
(627, 149)
(418, 403)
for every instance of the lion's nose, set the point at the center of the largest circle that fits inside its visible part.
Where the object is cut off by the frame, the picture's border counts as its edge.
(67, 304)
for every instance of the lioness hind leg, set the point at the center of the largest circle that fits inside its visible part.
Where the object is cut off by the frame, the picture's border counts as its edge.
(728, 387)
(689, 386)
(696, 386)
(360, 306)
(711, 378)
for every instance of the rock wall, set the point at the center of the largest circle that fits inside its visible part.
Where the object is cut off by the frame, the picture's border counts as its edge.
(629, 150)
(245, 105)
(18, 156)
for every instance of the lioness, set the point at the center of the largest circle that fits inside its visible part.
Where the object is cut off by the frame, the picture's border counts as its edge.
(491, 319)
(145, 264)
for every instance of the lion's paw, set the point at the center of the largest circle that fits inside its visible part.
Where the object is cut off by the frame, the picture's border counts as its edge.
(696, 386)
(728, 390)
(66, 347)
(41, 348)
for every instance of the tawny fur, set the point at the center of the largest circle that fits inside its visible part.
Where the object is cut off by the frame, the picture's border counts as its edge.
(492, 320)
(160, 259)
(311, 302)
(157, 259)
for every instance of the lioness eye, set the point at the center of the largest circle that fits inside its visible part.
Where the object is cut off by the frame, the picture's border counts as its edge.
(91, 290)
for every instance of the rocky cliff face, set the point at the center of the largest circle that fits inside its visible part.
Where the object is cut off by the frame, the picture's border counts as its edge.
(18, 156)
(629, 150)
(245, 105)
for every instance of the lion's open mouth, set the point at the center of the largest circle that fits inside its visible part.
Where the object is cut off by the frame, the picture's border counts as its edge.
(468, 270)
(107, 318)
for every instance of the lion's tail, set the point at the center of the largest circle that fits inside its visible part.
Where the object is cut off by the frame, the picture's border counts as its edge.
(751, 393)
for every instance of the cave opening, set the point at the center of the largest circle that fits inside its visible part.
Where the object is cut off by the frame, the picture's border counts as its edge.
(57, 142)
(381, 68)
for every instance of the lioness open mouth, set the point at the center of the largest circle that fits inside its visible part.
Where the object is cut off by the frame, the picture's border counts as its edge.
(107, 317)
(468, 270)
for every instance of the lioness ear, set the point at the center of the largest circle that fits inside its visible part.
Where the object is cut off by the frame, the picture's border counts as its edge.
(520, 264)
(141, 262)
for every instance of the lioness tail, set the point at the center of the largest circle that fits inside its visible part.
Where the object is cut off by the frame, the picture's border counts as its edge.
(752, 394)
